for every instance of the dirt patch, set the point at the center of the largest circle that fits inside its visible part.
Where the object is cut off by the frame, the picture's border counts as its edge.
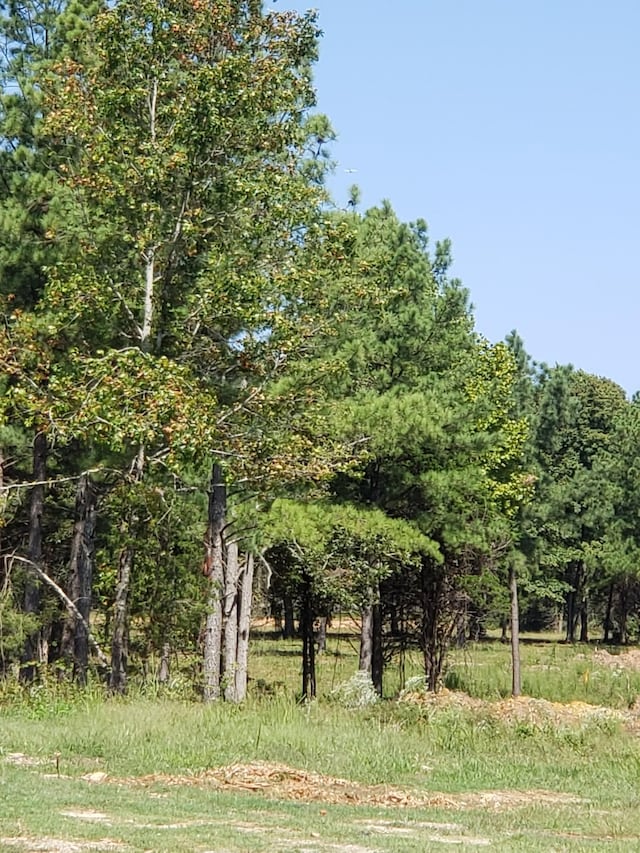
(441, 833)
(278, 781)
(60, 845)
(391, 827)
(19, 759)
(86, 814)
(313, 846)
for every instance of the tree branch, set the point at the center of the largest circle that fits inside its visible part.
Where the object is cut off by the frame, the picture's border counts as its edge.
(73, 610)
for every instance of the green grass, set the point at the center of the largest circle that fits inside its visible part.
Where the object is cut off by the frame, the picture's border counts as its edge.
(420, 749)
(554, 671)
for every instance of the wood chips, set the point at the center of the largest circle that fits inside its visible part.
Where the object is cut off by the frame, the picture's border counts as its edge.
(278, 781)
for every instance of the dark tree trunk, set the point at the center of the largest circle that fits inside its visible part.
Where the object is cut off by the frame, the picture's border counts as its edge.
(244, 627)
(395, 628)
(230, 612)
(584, 621)
(120, 621)
(214, 569)
(371, 653)
(504, 626)
(516, 681)
(308, 642)
(606, 628)
(431, 602)
(34, 646)
(377, 659)
(572, 600)
(120, 634)
(321, 635)
(289, 630)
(366, 638)
(75, 642)
(583, 599)
(624, 610)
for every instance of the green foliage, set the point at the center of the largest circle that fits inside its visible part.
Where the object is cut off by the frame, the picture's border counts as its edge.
(177, 285)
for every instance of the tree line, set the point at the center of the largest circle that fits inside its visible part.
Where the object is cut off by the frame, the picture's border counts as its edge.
(212, 373)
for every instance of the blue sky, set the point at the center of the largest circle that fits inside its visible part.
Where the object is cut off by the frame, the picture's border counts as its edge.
(512, 127)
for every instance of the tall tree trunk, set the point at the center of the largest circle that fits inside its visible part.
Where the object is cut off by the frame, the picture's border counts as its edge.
(504, 627)
(75, 640)
(584, 620)
(34, 646)
(214, 569)
(232, 579)
(308, 643)
(289, 629)
(606, 627)
(120, 634)
(371, 658)
(377, 659)
(120, 620)
(431, 600)
(164, 669)
(571, 601)
(320, 635)
(366, 637)
(583, 613)
(516, 681)
(244, 627)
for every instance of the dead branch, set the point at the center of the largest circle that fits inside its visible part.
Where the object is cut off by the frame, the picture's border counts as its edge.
(68, 604)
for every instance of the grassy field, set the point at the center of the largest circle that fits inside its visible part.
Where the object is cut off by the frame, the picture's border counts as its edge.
(163, 773)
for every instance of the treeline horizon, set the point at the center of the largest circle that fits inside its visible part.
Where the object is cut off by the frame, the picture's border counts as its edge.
(215, 379)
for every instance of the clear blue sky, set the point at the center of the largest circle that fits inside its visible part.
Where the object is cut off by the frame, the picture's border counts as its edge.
(512, 127)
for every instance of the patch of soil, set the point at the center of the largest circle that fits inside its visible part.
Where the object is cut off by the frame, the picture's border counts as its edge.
(278, 781)
(86, 814)
(445, 833)
(22, 760)
(60, 845)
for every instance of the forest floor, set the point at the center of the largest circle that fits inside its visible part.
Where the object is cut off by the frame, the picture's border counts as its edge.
(421, 773)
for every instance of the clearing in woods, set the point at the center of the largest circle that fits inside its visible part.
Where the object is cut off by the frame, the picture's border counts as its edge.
(419, 774)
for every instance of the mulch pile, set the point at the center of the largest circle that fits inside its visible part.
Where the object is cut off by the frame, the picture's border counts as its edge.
(283, 782)
(278, 781)
(524, 709)
(625, 660)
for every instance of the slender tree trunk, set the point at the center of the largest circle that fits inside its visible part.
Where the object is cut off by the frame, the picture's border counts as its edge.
(289, 630)
(366, 637)
(244, 627)
(571, 600)
(504, 626)
(119, 637)
(120, 620)
(75, 641)
(164, 670)
(582, 598)
(308, 643)
(34, 652)
(320, 635)
(606, 628)
(516, 681)
(431, 602)
(377, 659)
(394, 619)
(214, 568)
(584, 621)
(232, 578)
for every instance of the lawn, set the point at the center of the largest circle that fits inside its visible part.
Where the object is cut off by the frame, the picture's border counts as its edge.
(156, 772)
